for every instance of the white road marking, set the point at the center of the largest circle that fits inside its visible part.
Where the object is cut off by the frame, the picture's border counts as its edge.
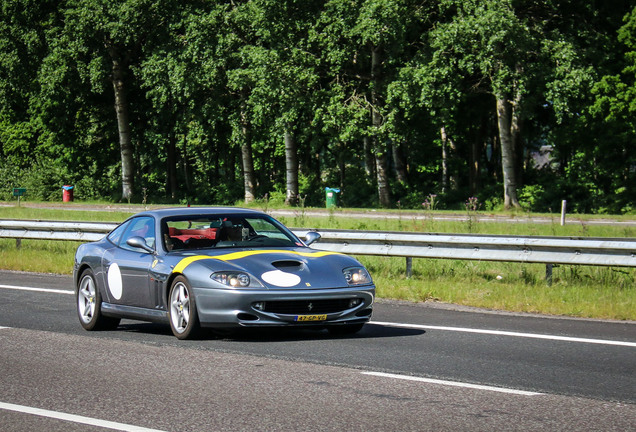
(418, 326)
(508, 333)
(454, 384)
(46, 290)
(75, 418)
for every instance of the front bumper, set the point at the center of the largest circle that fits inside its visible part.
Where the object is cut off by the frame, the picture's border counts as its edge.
(249, 308)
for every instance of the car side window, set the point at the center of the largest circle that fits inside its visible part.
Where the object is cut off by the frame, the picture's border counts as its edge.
(143, 227)
(115, 235)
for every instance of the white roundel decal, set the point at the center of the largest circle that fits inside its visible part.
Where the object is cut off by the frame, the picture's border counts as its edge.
(280, 278)
(114, 281)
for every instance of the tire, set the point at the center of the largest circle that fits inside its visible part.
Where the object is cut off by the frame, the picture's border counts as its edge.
(182, 309)
(89, 304)
(345, 329)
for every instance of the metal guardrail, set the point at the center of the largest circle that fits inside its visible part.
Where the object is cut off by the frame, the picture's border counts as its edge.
(52, 230)
(619, 252)
(553, 250)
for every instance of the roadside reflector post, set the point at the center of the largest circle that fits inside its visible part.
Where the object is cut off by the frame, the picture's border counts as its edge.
(563, 207)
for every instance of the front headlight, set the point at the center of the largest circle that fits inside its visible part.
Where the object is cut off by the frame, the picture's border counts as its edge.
(235, 279)
(357, 276)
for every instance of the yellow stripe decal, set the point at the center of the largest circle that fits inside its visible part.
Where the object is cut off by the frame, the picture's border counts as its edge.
(238, 255)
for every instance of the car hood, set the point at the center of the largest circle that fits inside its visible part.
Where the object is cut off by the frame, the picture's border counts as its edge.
(292, 268)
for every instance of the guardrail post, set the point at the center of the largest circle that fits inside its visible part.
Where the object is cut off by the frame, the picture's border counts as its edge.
(409, 267)
(18, 243)
(548, 274)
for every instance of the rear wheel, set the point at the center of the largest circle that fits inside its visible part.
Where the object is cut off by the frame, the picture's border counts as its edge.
(89, 304)
(184, 320)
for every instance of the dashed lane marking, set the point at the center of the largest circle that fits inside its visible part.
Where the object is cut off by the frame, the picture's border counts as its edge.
(75, 418)
(46, 290)
(453, 384)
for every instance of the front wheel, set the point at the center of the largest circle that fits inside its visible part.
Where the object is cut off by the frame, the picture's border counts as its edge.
(89, 304)
(182, 308)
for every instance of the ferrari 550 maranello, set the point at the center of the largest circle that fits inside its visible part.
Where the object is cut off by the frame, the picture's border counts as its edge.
(217, 268)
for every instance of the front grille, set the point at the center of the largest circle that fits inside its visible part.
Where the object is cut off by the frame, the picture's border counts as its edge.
(300, 307)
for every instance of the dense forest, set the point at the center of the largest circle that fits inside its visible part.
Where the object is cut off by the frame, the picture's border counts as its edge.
(398, 103)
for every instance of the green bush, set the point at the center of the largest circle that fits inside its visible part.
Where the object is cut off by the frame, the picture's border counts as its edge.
(532, 198)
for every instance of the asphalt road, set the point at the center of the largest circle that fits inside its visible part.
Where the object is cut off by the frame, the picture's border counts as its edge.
(415, 367)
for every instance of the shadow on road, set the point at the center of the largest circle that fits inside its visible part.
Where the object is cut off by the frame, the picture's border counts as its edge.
(284, 334)
(277, 334)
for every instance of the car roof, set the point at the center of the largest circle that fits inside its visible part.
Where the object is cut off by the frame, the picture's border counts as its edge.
(194, 211)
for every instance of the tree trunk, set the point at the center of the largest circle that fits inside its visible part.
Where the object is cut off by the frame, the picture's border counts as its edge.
(342, 158)
(479, 143)
(186, 166)
(369, 162)
(508, 163)
(123, 124)
(248, 172)
(449, 178)
(516, 124)
(473, 174)
(291, 164)
(517, 142)
(249, 178)
(384, 190)
(401, 170)
(444, 159)
(171, 167)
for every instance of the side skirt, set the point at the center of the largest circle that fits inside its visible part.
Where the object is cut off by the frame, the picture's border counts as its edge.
(132, 312)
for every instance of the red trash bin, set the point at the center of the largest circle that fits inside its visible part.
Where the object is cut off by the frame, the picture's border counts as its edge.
(67, 193)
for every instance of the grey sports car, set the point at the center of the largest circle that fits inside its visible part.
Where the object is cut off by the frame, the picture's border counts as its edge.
(218, 268)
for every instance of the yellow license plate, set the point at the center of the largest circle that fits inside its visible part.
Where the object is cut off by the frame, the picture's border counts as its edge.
(300, 318)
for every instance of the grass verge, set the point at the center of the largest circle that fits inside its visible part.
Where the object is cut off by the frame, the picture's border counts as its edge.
(594, 292)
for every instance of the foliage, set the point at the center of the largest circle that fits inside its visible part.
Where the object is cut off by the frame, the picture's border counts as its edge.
(391, 101)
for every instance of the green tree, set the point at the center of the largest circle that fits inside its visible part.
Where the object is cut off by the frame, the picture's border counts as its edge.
(520, 54)
(180, 75)
(616, 94)
(362, 44)
(23, 45)
(103, 41)
(392, 99)
(615, 104)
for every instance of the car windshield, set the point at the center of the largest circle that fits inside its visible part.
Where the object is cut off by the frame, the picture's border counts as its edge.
(225, 231)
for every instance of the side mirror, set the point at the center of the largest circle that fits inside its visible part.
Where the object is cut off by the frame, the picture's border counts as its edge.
(311, 237)
(140, 243)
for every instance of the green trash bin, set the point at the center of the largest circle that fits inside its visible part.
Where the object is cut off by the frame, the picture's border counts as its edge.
(331, 195)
